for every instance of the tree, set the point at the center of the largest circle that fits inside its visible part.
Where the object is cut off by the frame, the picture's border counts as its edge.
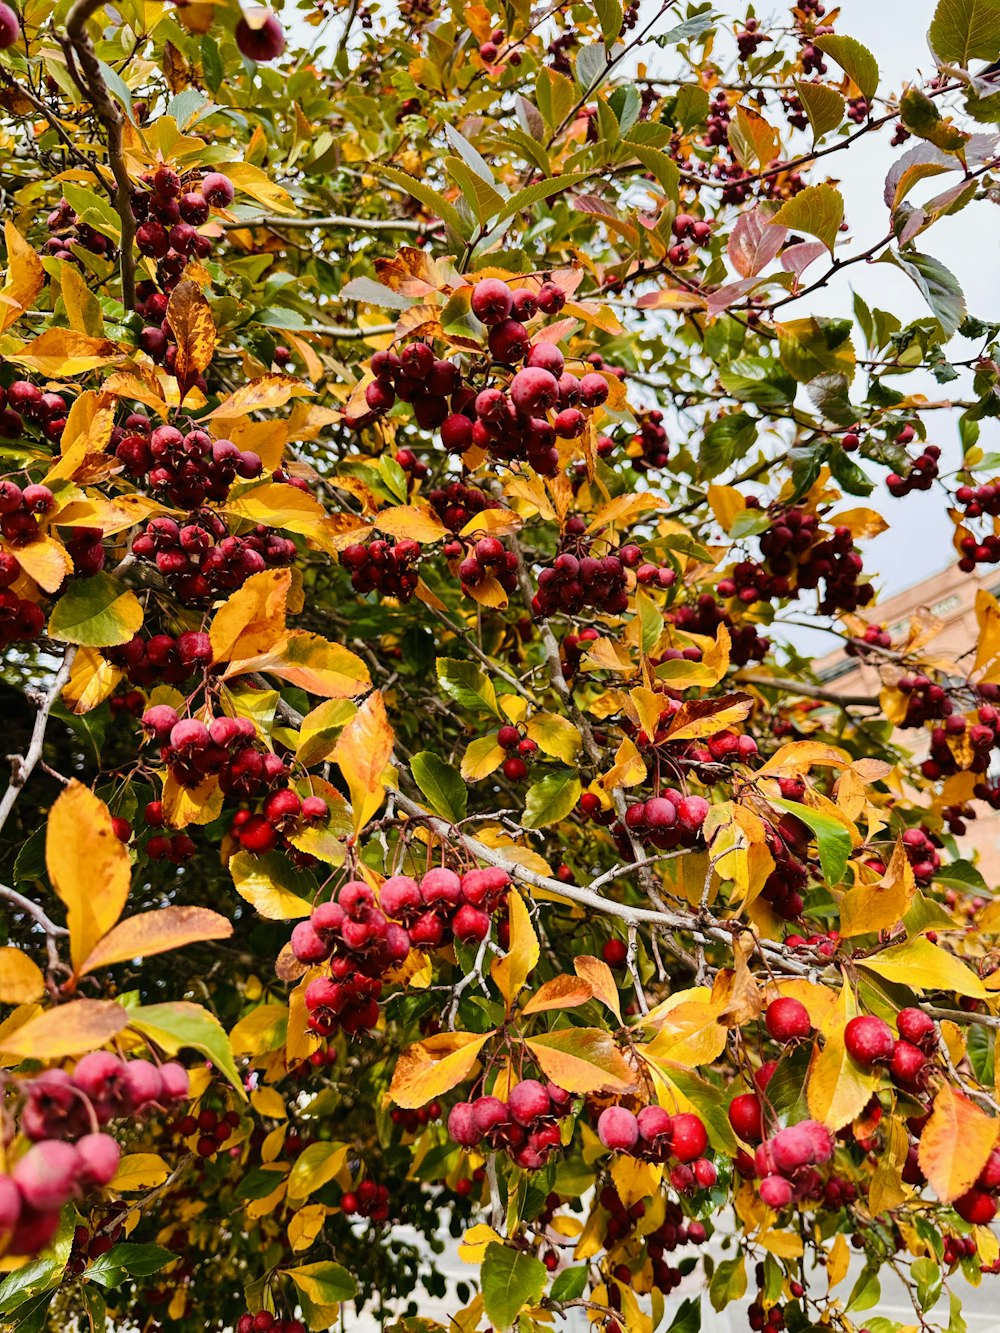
(413, 425)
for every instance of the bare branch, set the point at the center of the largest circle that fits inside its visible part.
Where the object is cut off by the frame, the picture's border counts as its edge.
(23, 765)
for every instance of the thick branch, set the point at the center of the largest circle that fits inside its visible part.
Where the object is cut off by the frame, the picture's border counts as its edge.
(809, 691)
(86, 71)
(23, 765)
(332, 221)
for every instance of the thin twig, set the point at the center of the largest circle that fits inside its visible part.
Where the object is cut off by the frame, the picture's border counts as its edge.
(23, 765)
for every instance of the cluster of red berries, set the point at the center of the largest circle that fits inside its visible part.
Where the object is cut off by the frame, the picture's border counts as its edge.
(416, 376)
(874, 636)
(526, 1125)
(786, 1162)
(186, 467)
(574, 582)
(490, 49)
(922, 474)
(689, 231)
(515, 426)
(224, 748)
(669, 820)
(161, 657)
(457, 503)
(487, 559)
(573, 648)
(265, 1322)
(870, 1041)
(21, 508)
(68, 229)
(88, 1246)
(760, 1319)
(675, 1230)
(23, 402)
(213, 1129)
(921, 847)
(706, 614)
(976, 502)
(201, 558)
(410, 1120)
(385, 567)
(649, 448)
(783, 886)
(656, 1136)
(368, 1200)
(981, 735)
(69, 1157)
(926, 701)
(519, 748)
(284, 814)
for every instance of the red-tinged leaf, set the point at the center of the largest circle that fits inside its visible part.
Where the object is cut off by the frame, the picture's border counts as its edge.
(584, 1060)
(562, 992)
(955, 1143)
(430, 1068)
(753, 243)
(156, 932)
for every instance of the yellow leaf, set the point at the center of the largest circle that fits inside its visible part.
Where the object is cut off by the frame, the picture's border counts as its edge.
(512, 971)
(629, 768)
(689, 1035)
(838, 1089)
(472, 1249)
(281, 506)
(61, 353)
(253, 618)
(887, 1190)
(364, 749)
(563, 992)
(838, 1260)
(139, 1171)
(268, 1103)
(88, 866)
(191, 805)
(305, 1225)
(254, 881)
(412, 523)
(258, 185)
(582, 1060)
(313, 663)
(555, 736)
(955, 1143)
(922, 965)
(45, 560)
(874, 907)
(262, 1030)
(625, 509)
(862, 522)
(634, 1179)
(69, 1029)
(492, 523)
(319, 729)
(430, 1068)
(704, 717)
(601, 981)
(83, 309)
(25, 277)
(483, 757)
(190, 317)
(988, 641)
(726, 502)
(264, 392)
(21, 979)
(315, 1167)
(156, 932)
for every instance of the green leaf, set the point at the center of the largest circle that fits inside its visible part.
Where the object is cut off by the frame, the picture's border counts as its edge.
(816, 346)
(964, 30)
(729, 1282)
(758, 380)
(467, 684)
(260, 1182)
(609, 15)
(481, 197)
(832, 838)
(510, 1280)
(961, 875)
(96, 612)
(443, 787)
(33, 1315)
(824, 106)
(211, 64)
(854, 59)
(29, 1281)
(532, 194)
(865, 1293)
(555, 96)
(181, 1023)
(664, 168)
(550, 799)
(93, 209)
(650, 620)
(786, 1088)
(692, 106)
(818, 210)
(854, 479)
(323, 1283)
(688, 1317)
(125, 1260)
(430, 198)
(922, 118)
(726, 441)
(830, 396)
(938, 285)
(570, 1284)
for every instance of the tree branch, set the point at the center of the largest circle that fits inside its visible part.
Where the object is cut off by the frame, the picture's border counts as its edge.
(334, 221)
(86, 70)
(810, 691)
(23, 765)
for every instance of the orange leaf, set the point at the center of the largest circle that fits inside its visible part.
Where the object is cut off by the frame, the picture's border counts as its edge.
(69, 1029)
(955, 1143)
(265, 391)
(311, 662)
(25, 277)
(563, 992)
(364, 749)
(412, 523)
(190, 318)
(433, 1067)
(88, 866)
(21, 979)
(601, 981)
(582, 1060)
(156, 932)
(253, 618)
(704, 717)
(61, 353)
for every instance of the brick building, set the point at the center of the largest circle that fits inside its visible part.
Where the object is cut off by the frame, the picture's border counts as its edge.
(950, 597)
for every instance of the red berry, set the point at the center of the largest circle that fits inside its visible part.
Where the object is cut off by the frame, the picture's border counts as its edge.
(618, 1129)
(787, 1019)
(869, 1039)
